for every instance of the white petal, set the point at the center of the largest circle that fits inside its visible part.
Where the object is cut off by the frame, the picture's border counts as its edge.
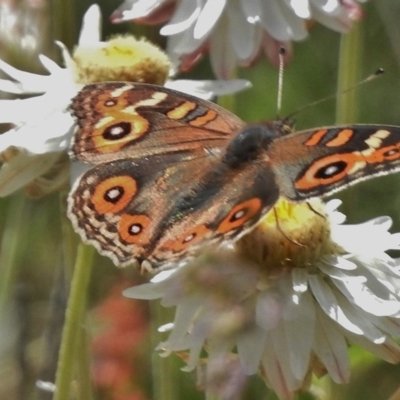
(296, 25)
(184, 43)
(388, 325)
(27, 82)
(330, 347)
(363, 295)
(300, 7)
(183, 319)
(277, 379)
(208, 18)
(146, 291)
(91, 26)
(340, 262)
(23, 169)
(282, 352)
(337, 273)
(132, 9)
(16, 112)
(12, 87)
(243, 40)
(222, 54)
(184, 17)
(49, 64)
(269, 309)
(208, 89)
(68, 61)
(328, 6)
(339, 24)
(388, 351)
(361, 319)
(372, 237)
(299, 279)
(250, 347)
(194, 356)
(280, 23)
(299, 333)
(51, 135)
(161, 276)
(329, 304)
(251, 9)
(333, 205)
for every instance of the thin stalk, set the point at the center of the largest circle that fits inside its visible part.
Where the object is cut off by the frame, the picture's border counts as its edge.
(15, 227)
(85, 388)
(348, 75)
(165, 385)
(73, 321)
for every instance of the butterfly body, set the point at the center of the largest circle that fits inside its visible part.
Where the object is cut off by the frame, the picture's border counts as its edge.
(170, 173)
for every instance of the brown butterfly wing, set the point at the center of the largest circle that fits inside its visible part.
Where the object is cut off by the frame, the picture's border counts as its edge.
(224, 204)
(117, 206)
(117, 120)
(322, 161)
(162, 211)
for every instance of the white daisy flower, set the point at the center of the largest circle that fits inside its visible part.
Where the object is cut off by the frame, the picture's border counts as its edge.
(285, 310)
(34, 152)
(235, 31)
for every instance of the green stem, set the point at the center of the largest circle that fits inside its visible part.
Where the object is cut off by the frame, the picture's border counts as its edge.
(85, 391)
(12, 240)
(73, 321)
(348, 75)
(346, 104)
(165, 385)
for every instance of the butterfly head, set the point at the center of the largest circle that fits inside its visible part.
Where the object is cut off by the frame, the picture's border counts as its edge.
(282, 127)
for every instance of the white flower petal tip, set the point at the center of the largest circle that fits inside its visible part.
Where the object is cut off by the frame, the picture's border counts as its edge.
(208, 89)
(49, 64)
(46, 386)
(91, 26)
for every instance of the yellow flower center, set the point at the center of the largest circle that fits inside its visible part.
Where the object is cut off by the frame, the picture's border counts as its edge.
(123, 58)
(291, 235)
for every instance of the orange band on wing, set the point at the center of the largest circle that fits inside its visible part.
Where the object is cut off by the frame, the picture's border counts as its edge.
(342, 138)
(182, 110)
(389, 153)
(209, 116)
(316, 137)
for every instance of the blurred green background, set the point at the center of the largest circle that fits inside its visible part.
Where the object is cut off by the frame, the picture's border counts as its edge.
(32, 321)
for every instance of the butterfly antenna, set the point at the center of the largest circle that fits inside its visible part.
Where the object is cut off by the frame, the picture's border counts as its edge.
(282, 52)
(369, 78)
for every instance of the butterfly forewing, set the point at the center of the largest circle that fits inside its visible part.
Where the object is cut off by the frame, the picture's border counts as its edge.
(319, 162)
(119, 119)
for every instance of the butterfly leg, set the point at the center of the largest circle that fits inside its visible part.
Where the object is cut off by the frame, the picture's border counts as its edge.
(315, 211)
(283, 233)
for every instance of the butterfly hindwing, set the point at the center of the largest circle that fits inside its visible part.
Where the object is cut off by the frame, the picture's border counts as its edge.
(138, 209)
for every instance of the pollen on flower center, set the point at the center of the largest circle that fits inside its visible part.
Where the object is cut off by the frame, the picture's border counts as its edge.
(291, 235)
(121, 58)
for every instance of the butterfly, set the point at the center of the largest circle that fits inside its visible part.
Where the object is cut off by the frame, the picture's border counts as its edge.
(169, 172)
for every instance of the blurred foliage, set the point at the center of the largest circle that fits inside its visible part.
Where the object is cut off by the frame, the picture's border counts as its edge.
(31, 324)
